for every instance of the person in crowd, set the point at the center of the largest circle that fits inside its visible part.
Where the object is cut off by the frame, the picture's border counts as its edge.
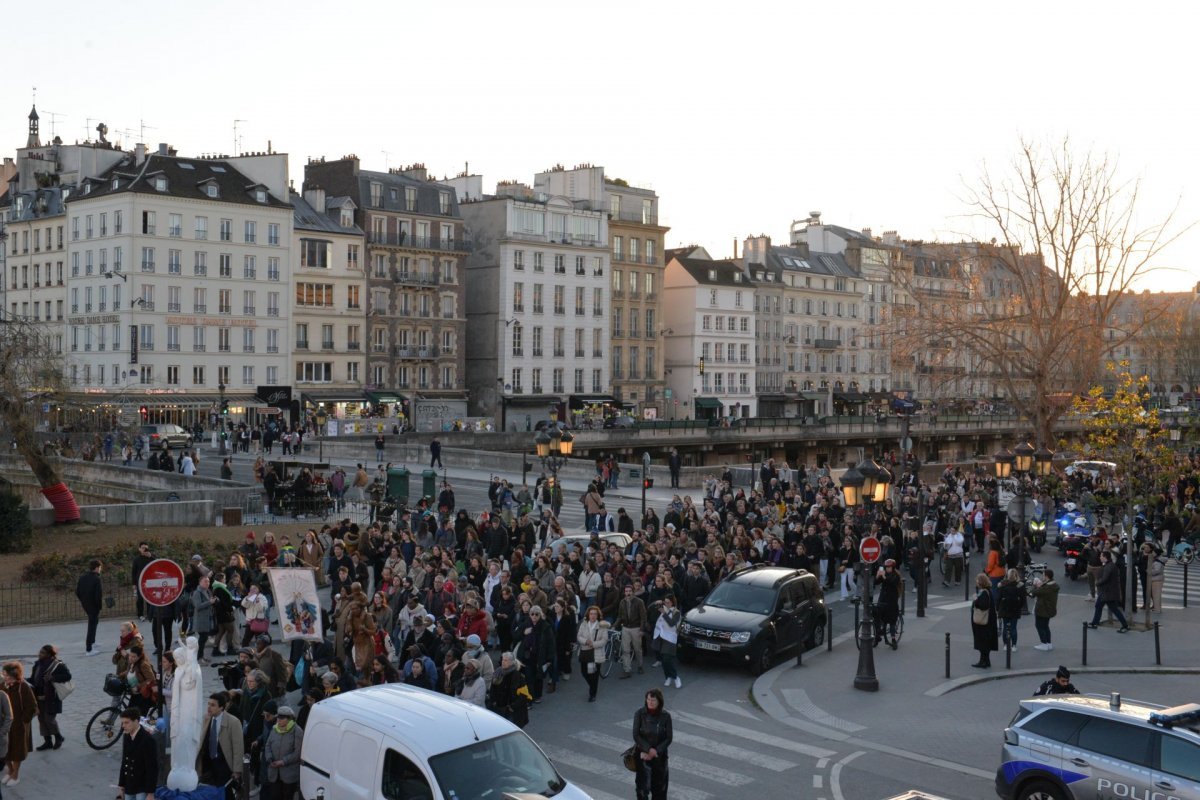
(508, 695)
(983, 621)
(47, 671)
(222, 748)
(631, 620)
(24, 709)
(652, 736)
(1045, 607)
(1059, 684)
(138, 776)
(1108, 592)
(282, 754)
(90, 592)
(139, 676)
(592, 636)
(1010, 604)
(666, 636)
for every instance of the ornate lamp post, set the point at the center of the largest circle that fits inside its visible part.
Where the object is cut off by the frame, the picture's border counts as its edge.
(554, 446)
(853, 484)
(1022, 463)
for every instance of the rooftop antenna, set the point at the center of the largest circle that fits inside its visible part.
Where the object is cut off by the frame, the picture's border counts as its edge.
(237, 140)
(386, 153)
(54, 116)
(142, 126)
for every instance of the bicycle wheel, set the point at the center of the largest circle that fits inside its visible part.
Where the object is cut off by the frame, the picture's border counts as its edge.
(104, 729)
(899, 631)
(943, 567)
(610, 655)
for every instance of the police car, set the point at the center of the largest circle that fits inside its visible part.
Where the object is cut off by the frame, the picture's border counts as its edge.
(1087, 747)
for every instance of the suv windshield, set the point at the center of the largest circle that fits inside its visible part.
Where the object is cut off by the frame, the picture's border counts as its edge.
(489, 769)
(742, 597)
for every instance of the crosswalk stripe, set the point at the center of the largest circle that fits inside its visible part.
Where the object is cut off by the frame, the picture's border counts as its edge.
(954, 606)
(752, 735)
(734, 752)
(732, 708)
(697, 768)
(569, 760)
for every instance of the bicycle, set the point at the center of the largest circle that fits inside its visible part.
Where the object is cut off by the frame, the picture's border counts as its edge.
(104, 728)
(612, 652)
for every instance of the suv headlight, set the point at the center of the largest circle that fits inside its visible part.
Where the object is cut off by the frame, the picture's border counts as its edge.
(739, 637)
(686, 627)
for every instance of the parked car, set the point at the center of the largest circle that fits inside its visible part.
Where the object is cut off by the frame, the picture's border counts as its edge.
(1086, 747)
(558, 546)
(754, 614)
(621, 421)
(545, 423)
(173, 435)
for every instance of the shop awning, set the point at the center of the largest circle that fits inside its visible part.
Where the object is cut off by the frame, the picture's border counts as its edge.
(585, 400)
(850, 397)
(384, 397)
(334, 396)
(813, 395)
(708, 402)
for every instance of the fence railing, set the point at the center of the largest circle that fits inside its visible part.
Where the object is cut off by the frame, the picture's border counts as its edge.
(36, 604)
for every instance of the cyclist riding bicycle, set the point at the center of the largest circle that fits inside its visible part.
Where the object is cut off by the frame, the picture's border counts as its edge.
(887, 609)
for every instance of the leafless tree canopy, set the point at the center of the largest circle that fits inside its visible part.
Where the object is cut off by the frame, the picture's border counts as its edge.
(30, 372)
(1036, 311)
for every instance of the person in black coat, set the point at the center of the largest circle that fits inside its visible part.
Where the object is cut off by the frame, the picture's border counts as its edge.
(537, 651)
(652, 736)
(90, 591)
(47, 671)
(985, 638)
(139, 757)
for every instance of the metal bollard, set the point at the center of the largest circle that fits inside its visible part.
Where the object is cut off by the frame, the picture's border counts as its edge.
(947, 655)
(1157, 649)
(829, 630)
(966, 587)
(247, 777)
(1085, 630)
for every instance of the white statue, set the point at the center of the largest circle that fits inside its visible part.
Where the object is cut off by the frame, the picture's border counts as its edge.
(187, 717)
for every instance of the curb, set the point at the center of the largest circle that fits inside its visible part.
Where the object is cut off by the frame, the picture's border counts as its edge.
(970, 680)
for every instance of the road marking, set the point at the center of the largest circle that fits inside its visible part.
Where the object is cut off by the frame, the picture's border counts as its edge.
(818, 781)
(955, 606)
(734, 752)
(753, 735)
(606, 769)
(835, 774)
(696, 768)
(719, 705)
(799, 700)
(822, 763)
(596, 794)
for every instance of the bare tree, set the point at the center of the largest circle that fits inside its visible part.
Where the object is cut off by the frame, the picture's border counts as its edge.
(1034, 311)
(31, 371)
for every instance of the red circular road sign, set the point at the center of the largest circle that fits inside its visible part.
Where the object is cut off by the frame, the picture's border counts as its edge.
(161, 582)
(869, 549)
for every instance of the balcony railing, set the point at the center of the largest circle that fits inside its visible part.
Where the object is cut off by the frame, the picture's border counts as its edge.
(173, 307)
(418, 242)
(249, 311)
(200, 308)
(416, 278)
(826, 344)
(302, 344)
(354, 346)
(200, 269)
(173, 347)
(638, 216)
(147, 266)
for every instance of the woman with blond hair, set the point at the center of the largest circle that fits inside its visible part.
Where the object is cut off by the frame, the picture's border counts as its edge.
(983, 621)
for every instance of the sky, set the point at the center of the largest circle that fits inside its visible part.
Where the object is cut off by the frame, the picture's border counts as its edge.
(742, 116)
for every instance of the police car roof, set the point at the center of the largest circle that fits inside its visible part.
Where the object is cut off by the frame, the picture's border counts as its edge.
(1186, 717)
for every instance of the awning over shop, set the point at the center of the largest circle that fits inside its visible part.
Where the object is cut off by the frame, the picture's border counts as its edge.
(585, 400)
(153, 399)
(334, 396)
(850, 397)
(384, 397)
(708, 402)
(813, 395)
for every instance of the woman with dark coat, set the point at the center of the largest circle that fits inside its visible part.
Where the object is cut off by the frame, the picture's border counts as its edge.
(562, 619)
(537, 651)
(984, 635)
(24, 709)
(652, 735)
(47, 671)
(507, 695)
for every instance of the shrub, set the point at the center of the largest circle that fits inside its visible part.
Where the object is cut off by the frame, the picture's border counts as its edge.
(59, 569)
(16, 530)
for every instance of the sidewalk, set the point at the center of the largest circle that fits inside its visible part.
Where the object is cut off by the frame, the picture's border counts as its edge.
(919, 713)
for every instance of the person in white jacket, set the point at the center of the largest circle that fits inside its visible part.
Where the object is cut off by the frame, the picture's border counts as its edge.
(666, 632)
(474, 687)
(592, 636)
(256, 607)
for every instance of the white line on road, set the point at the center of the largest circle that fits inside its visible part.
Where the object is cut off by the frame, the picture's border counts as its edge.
(605, 769)
(954, 606)
(818, 781)
(822, 763)
(734, 752)
(835, 774)
(799, 700)
(753, 735)
(695, 768)
(733, 708)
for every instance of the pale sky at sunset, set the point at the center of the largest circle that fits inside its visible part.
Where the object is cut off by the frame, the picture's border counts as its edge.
(742, 116)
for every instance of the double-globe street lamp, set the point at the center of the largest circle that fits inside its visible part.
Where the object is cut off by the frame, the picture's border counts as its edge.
(554, 446)
(866, 486)
(1022, 462)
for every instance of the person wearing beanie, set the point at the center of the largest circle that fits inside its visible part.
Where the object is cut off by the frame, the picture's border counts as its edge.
(473, 688)
(476, 650)
(282, 754)
(1059, 684)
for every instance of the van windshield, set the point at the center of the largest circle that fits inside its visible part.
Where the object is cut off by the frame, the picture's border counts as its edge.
(489, 769)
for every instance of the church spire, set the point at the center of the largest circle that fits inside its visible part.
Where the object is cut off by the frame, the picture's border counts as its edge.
(34, 139)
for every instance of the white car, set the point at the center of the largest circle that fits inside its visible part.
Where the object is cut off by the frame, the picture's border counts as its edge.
(1093, 468)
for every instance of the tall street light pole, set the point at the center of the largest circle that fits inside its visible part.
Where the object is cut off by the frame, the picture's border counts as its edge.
(865, 680)
(554, 446)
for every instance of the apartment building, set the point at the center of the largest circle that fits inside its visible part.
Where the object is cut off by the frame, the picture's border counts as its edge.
(709, 311)
(416, 322)
(636, 240)
(179, 281)
(328, 304)
(537, 304)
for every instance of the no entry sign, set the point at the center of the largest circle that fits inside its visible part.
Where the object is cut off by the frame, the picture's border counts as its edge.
(869, 550)
(161, 582)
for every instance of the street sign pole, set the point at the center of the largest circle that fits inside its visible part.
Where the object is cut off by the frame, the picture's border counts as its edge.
(161, 585)
(865, 680)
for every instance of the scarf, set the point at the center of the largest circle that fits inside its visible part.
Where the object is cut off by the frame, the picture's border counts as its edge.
(126, 638)
(281, 728)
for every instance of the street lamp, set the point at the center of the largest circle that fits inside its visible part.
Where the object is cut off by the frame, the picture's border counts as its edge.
(853, 482)
(1023, 462)
(554, 446)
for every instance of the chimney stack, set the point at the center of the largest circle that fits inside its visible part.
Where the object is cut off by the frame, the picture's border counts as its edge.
(139, 154)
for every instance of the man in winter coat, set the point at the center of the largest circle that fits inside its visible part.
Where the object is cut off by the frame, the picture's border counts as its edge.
(139, 758)
(90, 591)
(282, 754)
(272, 664)
(1045, 595)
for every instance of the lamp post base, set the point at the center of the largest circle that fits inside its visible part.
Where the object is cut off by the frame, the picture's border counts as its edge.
(866, 680)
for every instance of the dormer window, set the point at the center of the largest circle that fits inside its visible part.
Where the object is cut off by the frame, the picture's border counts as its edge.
(210, 189)
(116, 184)
(712, 274)
(260, 195)
(87, 188)
(160, 183)
(347, 219)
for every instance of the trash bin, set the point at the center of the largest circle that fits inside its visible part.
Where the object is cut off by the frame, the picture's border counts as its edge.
(429, 484)
(397, 484)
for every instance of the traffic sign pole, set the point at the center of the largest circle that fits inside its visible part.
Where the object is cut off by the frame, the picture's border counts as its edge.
(160, 585)
(869, 551)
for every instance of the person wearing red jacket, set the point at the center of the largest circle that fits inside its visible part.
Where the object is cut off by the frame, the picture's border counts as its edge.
(472, 621)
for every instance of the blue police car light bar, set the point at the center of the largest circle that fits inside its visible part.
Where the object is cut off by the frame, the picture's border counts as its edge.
(1179, 715)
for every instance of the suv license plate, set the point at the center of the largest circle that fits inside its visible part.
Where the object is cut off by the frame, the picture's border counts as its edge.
(716, 648)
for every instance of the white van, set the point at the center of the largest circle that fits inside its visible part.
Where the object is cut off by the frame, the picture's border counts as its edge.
(398, 742)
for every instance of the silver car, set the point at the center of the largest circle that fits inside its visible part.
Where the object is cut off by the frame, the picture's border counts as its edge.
(1087, 747)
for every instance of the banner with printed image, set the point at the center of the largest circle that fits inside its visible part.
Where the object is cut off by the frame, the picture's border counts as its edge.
(295, 592)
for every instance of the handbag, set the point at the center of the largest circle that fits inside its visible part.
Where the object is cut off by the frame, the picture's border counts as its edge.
(587, 656)
(979, 616)
(259, 625)
(630, 758)
(62, 689)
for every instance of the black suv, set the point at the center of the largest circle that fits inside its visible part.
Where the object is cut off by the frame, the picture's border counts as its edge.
(754, 614)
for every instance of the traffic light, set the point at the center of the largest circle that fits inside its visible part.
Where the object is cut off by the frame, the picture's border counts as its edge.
(225, 408)
(702, 365)
(647, 483)
(145, 412)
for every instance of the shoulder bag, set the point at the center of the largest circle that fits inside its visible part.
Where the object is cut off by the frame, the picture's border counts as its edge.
(61, 688)
(630, 758)
(979, 616)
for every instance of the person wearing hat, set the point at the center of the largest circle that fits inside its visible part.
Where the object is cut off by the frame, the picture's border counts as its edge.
(273, 665)
(476, 651)
(888, 607)
(258, 746)
(282, 754)
(1059, 684)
